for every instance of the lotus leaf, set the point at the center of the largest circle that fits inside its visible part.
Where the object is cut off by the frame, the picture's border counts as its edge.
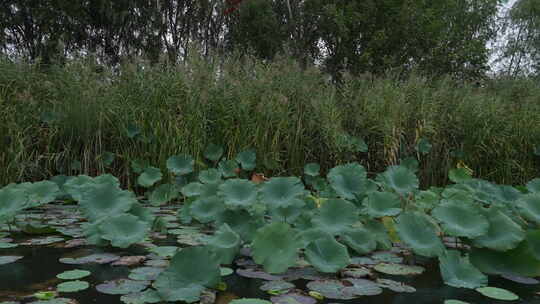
(418, 231)
(42, 192)
(497, 293)
(400, 179)
(225, 271)
(290, 213)
(293, 297)
(102, 200)
(207, 209)
(423, 146)
(42, 241)
(327, 255)
(278, 286)
(210, 176)
(257, 274)
(12, 200)
(534, 185)
(238, 193)
(122, 286)
(224, 244)
(458, 272)
(387, 256)
(281, 192)
(275, 248)
(76, 186)
(6, 259)
(149, 177)
(164, 251)
(455, 302)
(395, 285)
(379, 233)
(348, 180)
(379, 204)
(345, 290)
(192, 189)
(73, 274)
(312, 169)
(518, 261)
(123, 230)
(242, 222)
(142, 213)
(249, 301)
(191, 270)
(180, 164)
(163, 194)
(459, 175)
(98, 258)
(228, 168)
(503, 233)
(213, 152)
(520, 279)
(7, 245)
(529, 206)
(306, 236)
(336, 216)
(145, 273)
(533, 242)
(247, 159)
(72, 286)
(360, 240)
(461, 219)
(357, 272)
(398, 269)
(147, 296)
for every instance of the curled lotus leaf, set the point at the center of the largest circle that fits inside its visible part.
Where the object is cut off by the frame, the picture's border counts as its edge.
(76, 186)
(503, 234)
(224, 244)
(534, 185)
(281, 192)
(149, 177)
(529, 206)
(142, 213)
(122, 286)
(400, 179)
(275, 247)
(102, 200)
(180, 164)
(238, 193)
(312, 169)
(190, 271)
(419, 232)
(519, 261)
(213, 152)
(360, 240)
(207, 209)
(247, 159)
(210, 176)
(327, 255)
(163, 194)
(304, 237)
(348, 180)
(457, 271)
(242, 222)
(336, 216)
(379, 204)
(123, 230)
(460, 218)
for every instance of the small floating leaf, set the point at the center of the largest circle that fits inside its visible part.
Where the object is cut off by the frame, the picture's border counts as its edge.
(294, 297)
(122, 286)
(164, 251)
(9, 259)
(395, 285)
(277, 286)
(249, 301)
(455, 302)
(398, 269)
(145, 273)
(497, 293)
(73, 274)
(225, 271)
(98, 258)
(72, 286)
(147, 296)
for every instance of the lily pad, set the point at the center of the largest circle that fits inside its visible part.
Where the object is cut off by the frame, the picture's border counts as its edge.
(395, 285)
(520, 279)
(497, 293)
(6, 259)
(145, 273)
(275, 247)
(249, 301)
(276, 286)
(73, 274)
(72, 286)
(164, 251)
(455, 302)
(398, 269)
(147, 296)
(352, 288)
(358, 272)
(7, 245)
(256, 274)
(225, 271)
(457, 271)
(42, 241)
(294, 297)
(98, 258)
(327, 255)
(122, 286)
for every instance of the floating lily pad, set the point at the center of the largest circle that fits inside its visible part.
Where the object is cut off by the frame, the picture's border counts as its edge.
(398, 269)
(225, 271)
(359, 272)
(73, 274)
(164, 251)
(395, 285)
(249, 301)
(122, 286)
(42, 241)
(130, 260)
(98, 258)
(305, 273)
(363, 261)
(51, 301)
(7, 245)
(46, 295)
(256, 274)
(345, 290)
(145, 273)
(277, 286)
(9, 259)
(157, 263)
(497, 293)
(295, 297)
(72, 286)
(147, 296)
(387, 256)
(455, 302)
(520, 279)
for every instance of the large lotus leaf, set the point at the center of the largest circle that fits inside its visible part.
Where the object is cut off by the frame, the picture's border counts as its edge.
(459, 175)
(348, 180)
(142, 213)
(242, 222)
(419, 232)
(327, 255)
(503, 234)
(275, 247)
(228, 168)
(101, 200)
(379, 204)
(379, 232)
(163, 194)
(93, 234)
(149, 177)
(77, 185)
(192, 189)
(210, 176)
(12, 200)
(517, 261)
(191, 269)
(307, 236)
(336, 216)
(238, 193)
(459, 218)
(360, 240)
(534, 185)
(224, 244)
(247, 159)
(483, 191)
(533, 242)
(213, 152)
(288, 214)
(207, 209)
(280, 192)
(42, 192)
(529, 206)
(400, 179)
(123, 230)
(180, 164)
(457, 271)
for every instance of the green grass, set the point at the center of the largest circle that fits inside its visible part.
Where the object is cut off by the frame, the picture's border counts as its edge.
(290, 116)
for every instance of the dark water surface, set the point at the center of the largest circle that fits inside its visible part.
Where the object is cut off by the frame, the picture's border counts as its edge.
(37, 271)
